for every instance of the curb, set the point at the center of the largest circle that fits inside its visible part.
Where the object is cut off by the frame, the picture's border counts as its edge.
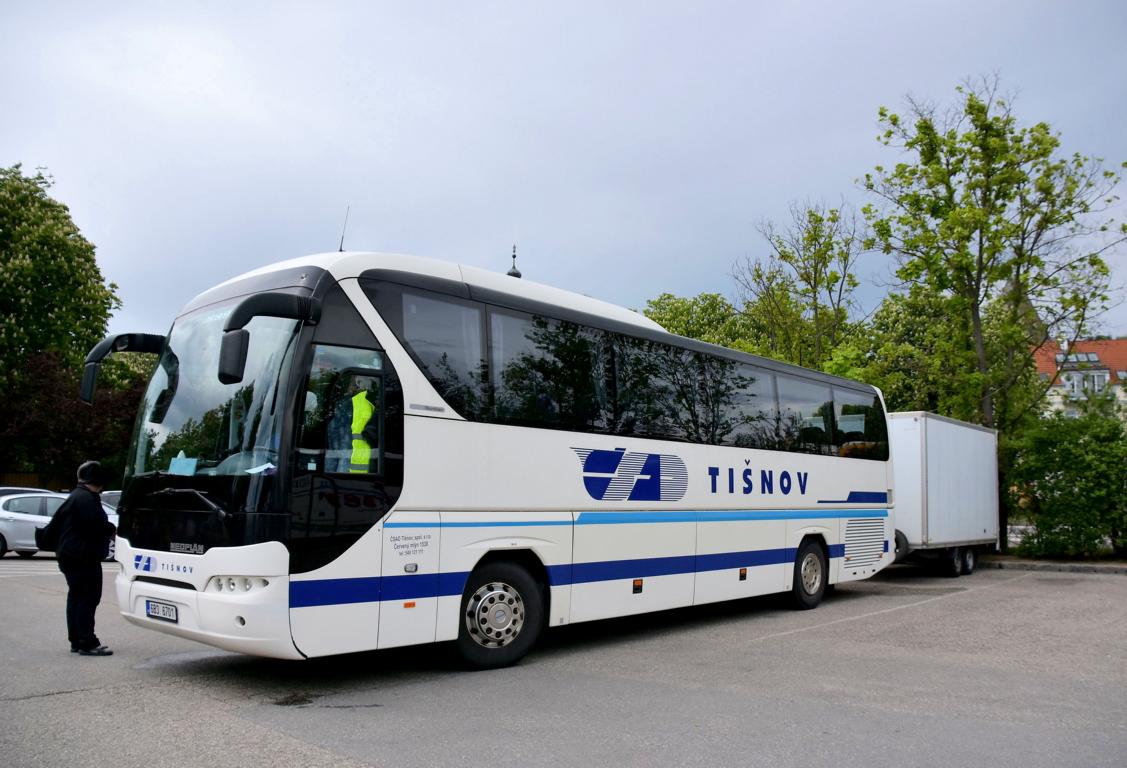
(1029, 565)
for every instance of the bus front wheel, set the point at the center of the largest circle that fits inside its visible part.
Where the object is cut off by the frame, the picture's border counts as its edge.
(502, 613)
(810, 574)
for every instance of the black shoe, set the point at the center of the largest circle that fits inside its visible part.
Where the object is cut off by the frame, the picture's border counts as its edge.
(101, 650)
(74, 649)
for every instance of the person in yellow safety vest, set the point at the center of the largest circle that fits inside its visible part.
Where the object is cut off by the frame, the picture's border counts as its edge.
(365, 426)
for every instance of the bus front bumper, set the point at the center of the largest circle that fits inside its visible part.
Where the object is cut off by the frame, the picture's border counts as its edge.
(252, 617)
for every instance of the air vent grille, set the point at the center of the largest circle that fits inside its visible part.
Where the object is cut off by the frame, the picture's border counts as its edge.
(864, 542)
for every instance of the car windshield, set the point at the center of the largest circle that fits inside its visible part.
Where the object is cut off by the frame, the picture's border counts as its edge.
(192, 424)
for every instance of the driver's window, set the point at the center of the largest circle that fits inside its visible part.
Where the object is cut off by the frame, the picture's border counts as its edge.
(343, 413)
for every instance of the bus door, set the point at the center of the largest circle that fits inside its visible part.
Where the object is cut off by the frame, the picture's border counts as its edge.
(347, 474)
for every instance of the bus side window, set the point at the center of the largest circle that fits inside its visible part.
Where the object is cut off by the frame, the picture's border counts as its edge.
(805, 412)
(859, 426)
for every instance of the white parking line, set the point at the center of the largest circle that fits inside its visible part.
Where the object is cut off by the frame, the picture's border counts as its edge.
(869, 615)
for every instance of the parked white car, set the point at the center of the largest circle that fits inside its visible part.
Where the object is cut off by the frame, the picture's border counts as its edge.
(22, 513)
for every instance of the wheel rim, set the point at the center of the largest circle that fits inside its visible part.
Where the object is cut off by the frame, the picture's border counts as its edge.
(811, 573)
(969, 562)
(495, 615)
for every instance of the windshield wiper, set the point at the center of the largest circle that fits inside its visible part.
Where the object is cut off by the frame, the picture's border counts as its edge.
(218, 510)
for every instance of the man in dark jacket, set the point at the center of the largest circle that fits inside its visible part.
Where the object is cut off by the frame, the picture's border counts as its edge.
(84, 535)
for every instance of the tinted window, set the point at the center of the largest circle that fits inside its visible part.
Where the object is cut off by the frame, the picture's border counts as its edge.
(53, 505)
(752, 410)
(860, 429)
(804, 415)
(646, 376)
(444, 336)
(707, 392)
(542, 372)
(546, 373)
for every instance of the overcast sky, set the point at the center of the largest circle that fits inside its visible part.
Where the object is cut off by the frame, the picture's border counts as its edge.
(627, 148)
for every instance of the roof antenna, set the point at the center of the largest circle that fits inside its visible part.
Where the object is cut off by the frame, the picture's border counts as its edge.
(514, 272)
(344, 229)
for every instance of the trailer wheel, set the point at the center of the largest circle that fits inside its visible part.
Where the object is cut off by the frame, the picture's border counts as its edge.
(502, 614)
(901, 547)
(970, 559)
(810, 575)
(953, 562)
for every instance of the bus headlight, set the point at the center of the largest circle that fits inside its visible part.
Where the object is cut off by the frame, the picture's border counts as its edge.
(236, 585)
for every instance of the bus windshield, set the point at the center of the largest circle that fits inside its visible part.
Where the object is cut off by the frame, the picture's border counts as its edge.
(191, 424)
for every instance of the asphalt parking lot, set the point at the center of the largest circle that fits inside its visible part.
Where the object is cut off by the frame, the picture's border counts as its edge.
(1002, 668)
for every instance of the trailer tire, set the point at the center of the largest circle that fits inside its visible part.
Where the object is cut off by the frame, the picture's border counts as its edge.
(952, 562)
(901, 547)
(502, 615)
(970, 559)
(811, 573)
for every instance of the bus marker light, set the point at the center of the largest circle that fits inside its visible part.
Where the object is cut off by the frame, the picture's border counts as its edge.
(409, 604)
(743, 574)
(637, 586)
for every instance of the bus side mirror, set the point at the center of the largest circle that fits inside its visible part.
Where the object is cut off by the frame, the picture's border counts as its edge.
(233, 355)
(119, 342)
(89, 382)
(236, 338)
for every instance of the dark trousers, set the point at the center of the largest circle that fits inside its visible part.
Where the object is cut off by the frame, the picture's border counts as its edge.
(84, 584)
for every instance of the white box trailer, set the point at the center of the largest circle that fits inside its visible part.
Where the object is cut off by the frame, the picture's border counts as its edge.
(945, 489)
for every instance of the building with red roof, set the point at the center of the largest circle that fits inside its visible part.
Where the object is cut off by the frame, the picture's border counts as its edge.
(1087, 366)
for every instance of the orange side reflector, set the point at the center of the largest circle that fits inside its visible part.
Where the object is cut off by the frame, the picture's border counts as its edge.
(409, 604)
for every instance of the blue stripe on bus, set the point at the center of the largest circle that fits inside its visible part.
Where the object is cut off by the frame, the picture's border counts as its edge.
(860, 497)
(719, 516)
(484, 524)
(631, 518)
(304, 594)
(320, 592)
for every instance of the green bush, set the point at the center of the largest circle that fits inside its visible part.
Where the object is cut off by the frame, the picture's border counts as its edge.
(1069, 477)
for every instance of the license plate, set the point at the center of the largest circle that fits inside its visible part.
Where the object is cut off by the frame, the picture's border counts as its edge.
(162, 611)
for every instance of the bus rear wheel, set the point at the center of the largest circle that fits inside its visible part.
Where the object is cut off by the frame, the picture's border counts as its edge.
(810, 574)
(502, 614)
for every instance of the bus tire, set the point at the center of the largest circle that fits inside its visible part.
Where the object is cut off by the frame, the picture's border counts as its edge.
(969, 560)
(810, 575)
(502, 614)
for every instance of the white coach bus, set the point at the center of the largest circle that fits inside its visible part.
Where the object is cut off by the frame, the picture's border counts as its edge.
(529, 458)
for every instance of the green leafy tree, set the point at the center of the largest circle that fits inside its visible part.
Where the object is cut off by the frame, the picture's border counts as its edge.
(52, 294)
(54, 306)
(907, 349)
(799, 297)
(988, 215)
(45, 429)
(1070, 477)
(706, 317)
